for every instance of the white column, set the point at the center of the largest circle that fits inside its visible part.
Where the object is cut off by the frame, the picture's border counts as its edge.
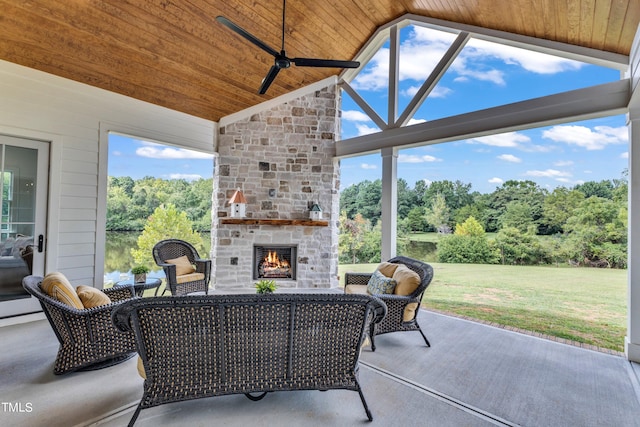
(632, 341)
(389, 202)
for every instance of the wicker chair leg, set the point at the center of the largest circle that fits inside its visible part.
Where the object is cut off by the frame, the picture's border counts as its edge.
(423, 336)
(135, 415)
(371, 335)
(364, 403)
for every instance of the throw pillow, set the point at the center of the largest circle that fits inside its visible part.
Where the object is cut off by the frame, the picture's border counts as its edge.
(183, 265)
(407, 279)
(92, 297)
(58, 287)
(379, 284)
(387, 268)
(408, 282)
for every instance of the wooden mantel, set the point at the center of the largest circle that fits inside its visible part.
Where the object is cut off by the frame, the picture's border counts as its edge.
(276, 222)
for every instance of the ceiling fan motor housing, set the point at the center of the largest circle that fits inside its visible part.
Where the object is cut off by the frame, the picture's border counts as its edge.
(282, 61)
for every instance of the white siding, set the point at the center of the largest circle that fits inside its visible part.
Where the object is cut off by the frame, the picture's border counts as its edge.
(76, 119)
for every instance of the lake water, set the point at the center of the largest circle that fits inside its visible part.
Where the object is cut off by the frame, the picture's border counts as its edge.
(118, 259)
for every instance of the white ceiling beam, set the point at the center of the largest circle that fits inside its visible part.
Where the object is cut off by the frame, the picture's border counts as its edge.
(394, 75)
(433, 79)
(596, 101)
(368, 110)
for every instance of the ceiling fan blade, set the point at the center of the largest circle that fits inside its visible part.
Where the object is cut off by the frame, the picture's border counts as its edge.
(271, 75)
(330, 63)
(224, 21)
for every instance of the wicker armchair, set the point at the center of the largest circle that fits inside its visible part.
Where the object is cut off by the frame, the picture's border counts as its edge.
(88, 338)
(172, 249)
(396, 304)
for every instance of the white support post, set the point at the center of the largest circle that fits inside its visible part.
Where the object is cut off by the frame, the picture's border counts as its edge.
(632, 341)
(389, 203)
(394, 75)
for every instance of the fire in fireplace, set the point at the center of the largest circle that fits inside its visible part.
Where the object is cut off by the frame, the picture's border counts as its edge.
(274, 262)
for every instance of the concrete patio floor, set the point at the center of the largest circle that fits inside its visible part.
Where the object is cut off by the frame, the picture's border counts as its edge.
(473, 375)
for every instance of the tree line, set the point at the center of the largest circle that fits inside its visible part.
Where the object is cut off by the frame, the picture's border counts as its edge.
(131, 202)
(585, 224)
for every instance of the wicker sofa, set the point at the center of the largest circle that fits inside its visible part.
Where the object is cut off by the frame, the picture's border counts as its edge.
(198, 346)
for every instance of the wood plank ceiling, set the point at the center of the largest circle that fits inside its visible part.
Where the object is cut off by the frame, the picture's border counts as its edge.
(175, 54)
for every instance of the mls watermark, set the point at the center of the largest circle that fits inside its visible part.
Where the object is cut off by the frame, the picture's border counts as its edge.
(17, 407)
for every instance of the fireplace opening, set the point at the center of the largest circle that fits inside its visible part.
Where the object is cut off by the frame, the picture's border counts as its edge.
(274, 262)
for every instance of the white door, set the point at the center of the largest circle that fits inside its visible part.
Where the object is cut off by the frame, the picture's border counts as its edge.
(24, 167)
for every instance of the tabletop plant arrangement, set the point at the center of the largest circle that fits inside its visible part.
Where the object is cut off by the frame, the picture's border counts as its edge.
(140, 273)
(266, 286)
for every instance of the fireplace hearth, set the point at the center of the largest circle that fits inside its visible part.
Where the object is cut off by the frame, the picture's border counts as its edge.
(274, 262)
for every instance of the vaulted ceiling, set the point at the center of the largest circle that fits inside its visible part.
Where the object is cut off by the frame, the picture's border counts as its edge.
(175, 54)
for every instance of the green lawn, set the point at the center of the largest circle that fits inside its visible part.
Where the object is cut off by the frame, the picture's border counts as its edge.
(580, 304)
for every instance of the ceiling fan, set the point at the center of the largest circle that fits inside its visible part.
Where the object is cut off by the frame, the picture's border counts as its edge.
(281, 58)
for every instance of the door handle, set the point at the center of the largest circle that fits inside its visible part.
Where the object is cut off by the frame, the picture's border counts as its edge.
(40, 243)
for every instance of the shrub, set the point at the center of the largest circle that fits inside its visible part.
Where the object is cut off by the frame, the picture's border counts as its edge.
(457, 248)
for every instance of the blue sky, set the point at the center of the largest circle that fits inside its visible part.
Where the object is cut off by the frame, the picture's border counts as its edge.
(137, 159)
(484, 75)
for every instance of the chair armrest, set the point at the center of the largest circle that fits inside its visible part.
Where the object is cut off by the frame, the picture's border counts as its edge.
(169, 271)
(379, 309)
(357, 278)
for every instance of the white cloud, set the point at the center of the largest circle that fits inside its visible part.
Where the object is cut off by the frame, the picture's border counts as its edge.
(368, 166)
(549, 173)
(591, 139)
(495, 180)
(158, 151)
(185, 176)
(366, 130)
(535, 62)
(561, 163)
(509, 139)
(624, 155)
(415, 121)
(437, 92)
(510, 158)
(116, 153)
(355, 116)
(412, 158)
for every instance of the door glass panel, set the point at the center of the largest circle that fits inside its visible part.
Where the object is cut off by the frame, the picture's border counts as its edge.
(18, 173)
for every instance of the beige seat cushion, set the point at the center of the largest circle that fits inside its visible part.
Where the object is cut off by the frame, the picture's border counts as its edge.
(183, 265)
(92, 297)
(191, 277)
(58, 287)
(356, 289)
(387, 268)
(408, 281)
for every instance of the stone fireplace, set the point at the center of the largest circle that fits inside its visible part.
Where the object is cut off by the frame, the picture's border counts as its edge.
(283, 160)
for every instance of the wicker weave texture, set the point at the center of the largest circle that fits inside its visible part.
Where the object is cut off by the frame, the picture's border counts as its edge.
(201, 346)
(174, 248)
(88, 340)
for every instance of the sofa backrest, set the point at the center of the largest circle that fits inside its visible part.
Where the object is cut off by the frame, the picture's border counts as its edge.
(227, 344)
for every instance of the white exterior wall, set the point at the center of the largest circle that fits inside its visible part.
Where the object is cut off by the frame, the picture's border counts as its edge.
(76, 118)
